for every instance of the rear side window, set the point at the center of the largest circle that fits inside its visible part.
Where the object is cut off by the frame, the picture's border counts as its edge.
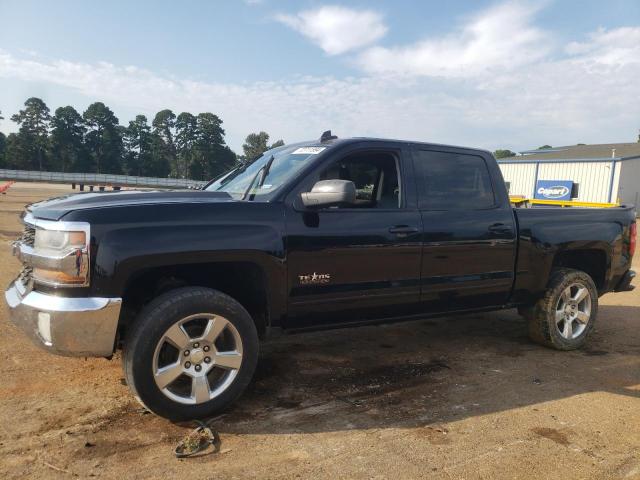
(453, 181)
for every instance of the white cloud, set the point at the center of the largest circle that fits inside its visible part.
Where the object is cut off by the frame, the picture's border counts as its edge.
(620, 46)
(337, 29)
(502, 37)
(589, 94)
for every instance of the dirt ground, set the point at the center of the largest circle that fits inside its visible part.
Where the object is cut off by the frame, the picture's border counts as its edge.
(463, 397)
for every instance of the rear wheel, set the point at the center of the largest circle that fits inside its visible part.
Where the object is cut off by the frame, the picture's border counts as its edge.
(190, 353)
(564, 316)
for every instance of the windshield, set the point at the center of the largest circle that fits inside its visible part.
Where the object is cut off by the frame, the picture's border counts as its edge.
(250, 181)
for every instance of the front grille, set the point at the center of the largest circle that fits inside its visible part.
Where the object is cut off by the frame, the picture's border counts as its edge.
(28, 235)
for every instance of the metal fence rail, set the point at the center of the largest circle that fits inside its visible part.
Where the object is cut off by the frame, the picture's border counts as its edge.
(97, 179)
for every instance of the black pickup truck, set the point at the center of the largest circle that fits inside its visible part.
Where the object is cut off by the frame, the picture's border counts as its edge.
(314, 234)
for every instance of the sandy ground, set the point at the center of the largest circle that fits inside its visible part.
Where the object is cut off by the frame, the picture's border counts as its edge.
(463, 397)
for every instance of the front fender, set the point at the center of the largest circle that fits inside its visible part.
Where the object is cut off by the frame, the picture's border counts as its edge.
(124, 252)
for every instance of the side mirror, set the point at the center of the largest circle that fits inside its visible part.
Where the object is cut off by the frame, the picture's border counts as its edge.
(328, 193)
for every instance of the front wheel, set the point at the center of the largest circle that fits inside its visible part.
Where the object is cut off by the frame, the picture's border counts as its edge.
(190, 353)
(565, 315)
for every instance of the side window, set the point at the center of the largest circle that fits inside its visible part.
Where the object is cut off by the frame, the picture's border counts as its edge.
(375, 176)
(453, 181)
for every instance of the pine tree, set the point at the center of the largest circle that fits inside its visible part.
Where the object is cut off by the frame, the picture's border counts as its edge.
(164, 148)
(138, 147)
(3, 145)
(68, 152)
(212, 157)
(103, 139)
(32, 143)
(185, 139)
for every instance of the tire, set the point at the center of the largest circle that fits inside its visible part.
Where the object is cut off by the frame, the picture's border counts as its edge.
(203, 338)
(549, 316)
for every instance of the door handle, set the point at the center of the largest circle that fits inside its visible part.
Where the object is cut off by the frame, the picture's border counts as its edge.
(499, 228)
(403, 230)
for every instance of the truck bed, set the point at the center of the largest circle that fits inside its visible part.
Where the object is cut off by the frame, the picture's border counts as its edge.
(600, 235)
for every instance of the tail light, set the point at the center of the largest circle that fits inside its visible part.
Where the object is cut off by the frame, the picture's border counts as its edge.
(633, 232)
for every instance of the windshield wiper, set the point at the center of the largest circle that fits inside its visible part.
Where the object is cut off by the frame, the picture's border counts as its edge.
(262, 173)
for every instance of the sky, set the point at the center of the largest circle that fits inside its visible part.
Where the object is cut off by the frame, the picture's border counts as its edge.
(490, 74)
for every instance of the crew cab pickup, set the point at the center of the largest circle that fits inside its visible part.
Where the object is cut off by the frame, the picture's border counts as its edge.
(314, 234)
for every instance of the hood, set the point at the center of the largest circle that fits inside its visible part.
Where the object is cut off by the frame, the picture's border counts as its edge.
(56, 208)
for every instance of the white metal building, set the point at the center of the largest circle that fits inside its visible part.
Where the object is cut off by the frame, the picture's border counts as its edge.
(598, 173)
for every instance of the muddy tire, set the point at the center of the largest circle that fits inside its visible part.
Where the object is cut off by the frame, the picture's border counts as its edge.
(566, 314)
(190, 353)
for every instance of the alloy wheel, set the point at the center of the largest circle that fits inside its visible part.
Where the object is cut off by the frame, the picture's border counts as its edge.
(197, 358)
(573, 311)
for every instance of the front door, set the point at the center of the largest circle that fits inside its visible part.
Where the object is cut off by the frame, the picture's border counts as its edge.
(362, 260)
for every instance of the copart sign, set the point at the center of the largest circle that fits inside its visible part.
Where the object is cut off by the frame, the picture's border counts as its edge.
(553, 189)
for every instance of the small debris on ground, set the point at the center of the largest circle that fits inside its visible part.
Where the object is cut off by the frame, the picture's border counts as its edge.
(197, 441)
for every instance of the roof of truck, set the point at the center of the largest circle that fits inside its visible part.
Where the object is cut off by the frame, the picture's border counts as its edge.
(348, 140)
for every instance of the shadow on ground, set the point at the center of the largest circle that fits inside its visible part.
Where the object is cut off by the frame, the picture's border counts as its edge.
(427, 372)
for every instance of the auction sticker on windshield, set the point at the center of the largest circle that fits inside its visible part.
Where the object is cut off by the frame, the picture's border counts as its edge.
(308, 150)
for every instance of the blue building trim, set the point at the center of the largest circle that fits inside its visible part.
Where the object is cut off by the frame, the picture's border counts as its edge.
(535, 180)
(613, 174)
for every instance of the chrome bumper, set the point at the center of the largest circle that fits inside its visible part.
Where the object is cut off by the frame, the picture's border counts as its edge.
(65, 263)
(83, 327)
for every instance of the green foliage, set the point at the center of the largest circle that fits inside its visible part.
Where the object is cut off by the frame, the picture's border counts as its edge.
(544, 147)
(183, 146)
(256, 144)
(103, 139)
(164, 153)
(210, 157)
(30, 151)
(3, 148)
(137, 138)
(13, 152)
(3, 145)
(68, 152)
(504, 153)
(186, 137)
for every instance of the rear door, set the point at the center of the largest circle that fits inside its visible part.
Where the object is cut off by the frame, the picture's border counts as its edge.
(469, 237)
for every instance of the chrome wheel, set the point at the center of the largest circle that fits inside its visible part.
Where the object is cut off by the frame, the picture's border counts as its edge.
(197, 358)
(573, 311)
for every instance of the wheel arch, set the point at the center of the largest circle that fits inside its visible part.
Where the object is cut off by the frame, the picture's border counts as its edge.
(592, 261)
(243, 280)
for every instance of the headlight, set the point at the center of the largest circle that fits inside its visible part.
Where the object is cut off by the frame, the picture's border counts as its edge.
(60, 253)
(58, 241)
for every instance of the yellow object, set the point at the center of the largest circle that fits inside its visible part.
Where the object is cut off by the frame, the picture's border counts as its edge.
(520, 201)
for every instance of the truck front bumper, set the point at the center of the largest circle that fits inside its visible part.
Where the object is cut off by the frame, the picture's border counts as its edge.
(78, 327)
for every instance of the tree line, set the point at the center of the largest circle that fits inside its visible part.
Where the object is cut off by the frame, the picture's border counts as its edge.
(179, 146)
